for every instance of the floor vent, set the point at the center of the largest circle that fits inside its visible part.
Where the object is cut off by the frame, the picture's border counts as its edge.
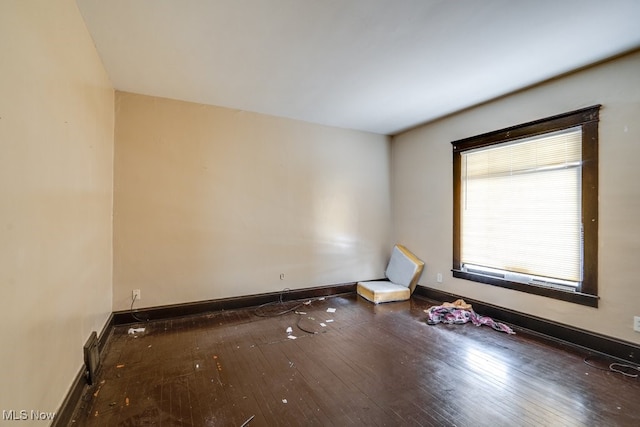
(91, 358)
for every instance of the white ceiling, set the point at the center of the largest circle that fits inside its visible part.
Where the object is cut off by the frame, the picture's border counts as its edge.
(376, 65)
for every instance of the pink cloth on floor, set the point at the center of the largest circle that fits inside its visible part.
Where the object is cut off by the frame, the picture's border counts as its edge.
(452, 315)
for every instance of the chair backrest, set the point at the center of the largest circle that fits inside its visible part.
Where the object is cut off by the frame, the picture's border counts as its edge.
(404, 268)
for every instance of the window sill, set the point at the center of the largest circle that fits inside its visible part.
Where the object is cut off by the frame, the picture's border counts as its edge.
(573, 297)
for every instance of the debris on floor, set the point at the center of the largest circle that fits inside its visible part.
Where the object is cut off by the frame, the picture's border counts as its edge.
(95, 394)
(289, 332)
(248, 421)
(460, 312)
(218, 364)
(135, 330)
(459, 303)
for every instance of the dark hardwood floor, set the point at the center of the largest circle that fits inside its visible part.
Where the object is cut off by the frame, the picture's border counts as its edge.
(368, 365)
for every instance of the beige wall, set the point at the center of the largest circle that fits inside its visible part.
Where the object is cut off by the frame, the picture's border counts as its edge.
(56, 169)
(213, 203)
(422, 192)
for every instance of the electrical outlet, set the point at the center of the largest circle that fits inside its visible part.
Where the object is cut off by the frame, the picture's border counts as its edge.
(439, 278)
(281, 276)
(636, 323)
(135, 294)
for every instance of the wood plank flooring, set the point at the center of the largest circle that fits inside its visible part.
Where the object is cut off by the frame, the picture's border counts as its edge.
(365, 365)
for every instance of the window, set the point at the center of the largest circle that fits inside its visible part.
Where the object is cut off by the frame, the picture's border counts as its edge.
(526, 207)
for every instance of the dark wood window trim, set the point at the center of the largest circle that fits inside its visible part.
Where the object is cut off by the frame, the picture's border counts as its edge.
(588, 119)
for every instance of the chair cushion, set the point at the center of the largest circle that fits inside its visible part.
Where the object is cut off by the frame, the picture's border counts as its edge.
(403, 271)
(383, 291)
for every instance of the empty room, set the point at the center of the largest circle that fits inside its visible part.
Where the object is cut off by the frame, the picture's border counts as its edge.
(304, 212)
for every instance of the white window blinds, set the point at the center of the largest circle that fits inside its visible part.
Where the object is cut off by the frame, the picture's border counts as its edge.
(521, 206)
